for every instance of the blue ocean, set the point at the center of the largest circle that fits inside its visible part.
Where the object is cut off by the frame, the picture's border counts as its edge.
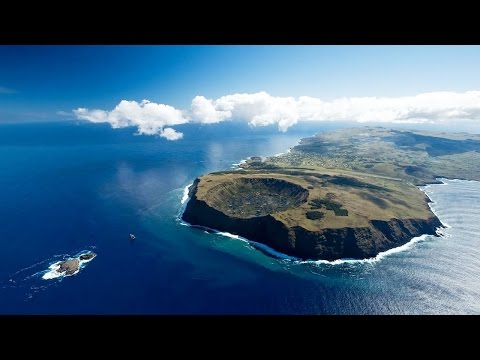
(68, 187)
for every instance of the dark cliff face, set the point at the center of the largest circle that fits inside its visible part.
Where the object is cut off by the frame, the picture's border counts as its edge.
(262, 229)
(328, 244)
(363, 242)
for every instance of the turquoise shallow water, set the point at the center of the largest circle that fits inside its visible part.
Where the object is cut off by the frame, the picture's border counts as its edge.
(68, 187)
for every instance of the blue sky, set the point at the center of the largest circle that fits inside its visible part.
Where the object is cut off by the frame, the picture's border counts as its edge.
(36, 82)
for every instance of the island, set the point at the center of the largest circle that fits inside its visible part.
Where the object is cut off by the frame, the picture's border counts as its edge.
(351, 193)
(71, 266)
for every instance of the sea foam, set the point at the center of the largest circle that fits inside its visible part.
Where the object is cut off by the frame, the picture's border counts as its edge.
(185, 194)
(279, 255)
(373, 260)
(284, 153)
(52, 272)
(257, 245)
(236, 166)
(265, 248)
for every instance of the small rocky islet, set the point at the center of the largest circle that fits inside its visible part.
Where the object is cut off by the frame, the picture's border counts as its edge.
(71, 266)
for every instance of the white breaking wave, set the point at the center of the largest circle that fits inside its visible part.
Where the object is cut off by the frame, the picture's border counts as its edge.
(280, 255)
(427, 189)
(185, 194)
(31, 278)
(380, 256)
(394, 250)
(284, 153)
(273, 252)
(258, 245)
(283, 256)
(236, 166)
(232, 236)
(254, 244)
(52, 272)
(459, 180)
(375, 259)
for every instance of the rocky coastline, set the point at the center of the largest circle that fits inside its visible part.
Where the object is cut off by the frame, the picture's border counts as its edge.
(326, 244)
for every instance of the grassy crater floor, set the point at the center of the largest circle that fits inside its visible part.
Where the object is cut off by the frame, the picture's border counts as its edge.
(344, 201)
(256, 196)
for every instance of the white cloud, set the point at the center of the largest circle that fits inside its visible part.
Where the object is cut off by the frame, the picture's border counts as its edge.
(171, 134)
(207, 111)
(261, 109)
(149, 118)
(257, 109)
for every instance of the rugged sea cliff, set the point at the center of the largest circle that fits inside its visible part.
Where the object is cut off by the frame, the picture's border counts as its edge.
(328, 244)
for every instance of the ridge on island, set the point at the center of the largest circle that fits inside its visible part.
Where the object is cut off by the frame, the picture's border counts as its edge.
(345, 194)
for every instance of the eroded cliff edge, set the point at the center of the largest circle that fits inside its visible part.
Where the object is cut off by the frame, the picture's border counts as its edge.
(282, 233)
